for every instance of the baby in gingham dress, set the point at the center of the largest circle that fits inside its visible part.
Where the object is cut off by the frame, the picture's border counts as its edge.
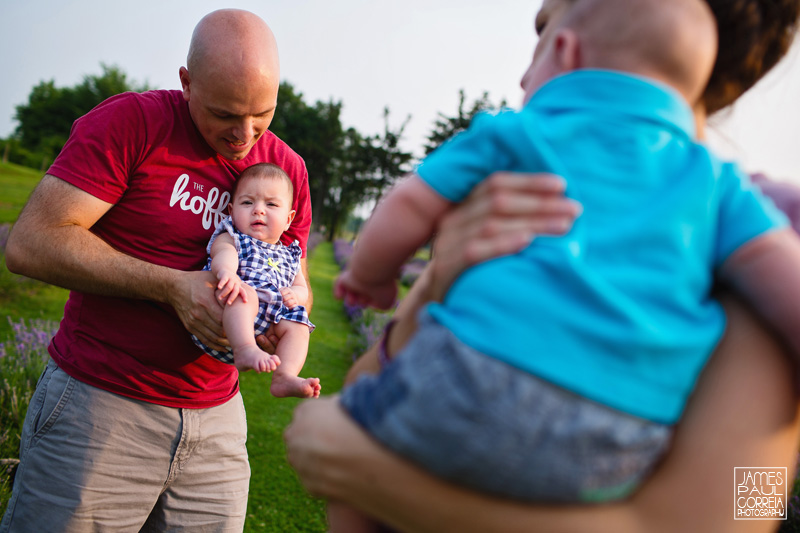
(261, 282)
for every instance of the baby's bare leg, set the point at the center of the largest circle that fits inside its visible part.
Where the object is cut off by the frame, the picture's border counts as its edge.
(237, 319)
(292, 349)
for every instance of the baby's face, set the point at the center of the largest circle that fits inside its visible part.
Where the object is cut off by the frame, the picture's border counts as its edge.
(543, 66)
(262, 208)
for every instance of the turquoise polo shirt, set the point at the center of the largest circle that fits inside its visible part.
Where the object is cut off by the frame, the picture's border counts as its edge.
(619, 309)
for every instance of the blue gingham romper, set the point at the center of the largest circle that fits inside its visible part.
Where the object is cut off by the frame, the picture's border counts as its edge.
(266, 267)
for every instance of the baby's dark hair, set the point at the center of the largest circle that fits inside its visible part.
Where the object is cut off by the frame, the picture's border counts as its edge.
(753, 36)
(264, 170)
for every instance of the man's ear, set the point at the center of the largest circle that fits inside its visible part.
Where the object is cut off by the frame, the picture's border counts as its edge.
(567, 50)
(183, 74)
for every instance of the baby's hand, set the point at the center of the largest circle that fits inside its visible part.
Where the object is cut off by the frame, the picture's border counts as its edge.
(354, 292)
(290, 298)
(230, 286)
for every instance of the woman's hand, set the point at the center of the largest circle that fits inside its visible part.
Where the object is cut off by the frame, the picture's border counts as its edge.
(317, 444)
(501, 216)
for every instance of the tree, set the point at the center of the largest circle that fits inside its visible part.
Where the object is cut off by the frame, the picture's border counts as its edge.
(365, 167)
(94, 89)
(445, 127)
(369, 165)
(45, 121)
(316, 133)
(354, 184)
(392, 162)
(345, 168)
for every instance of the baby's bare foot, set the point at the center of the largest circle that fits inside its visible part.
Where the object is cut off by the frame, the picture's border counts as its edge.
(253, 358)
(284, 386)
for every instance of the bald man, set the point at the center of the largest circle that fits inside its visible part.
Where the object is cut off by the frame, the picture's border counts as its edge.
(132, 427)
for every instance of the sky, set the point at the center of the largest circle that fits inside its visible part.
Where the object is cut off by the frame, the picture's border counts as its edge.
(412, 56)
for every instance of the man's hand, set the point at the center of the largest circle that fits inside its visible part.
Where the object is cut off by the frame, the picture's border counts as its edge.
(194, 301)
(268, 341)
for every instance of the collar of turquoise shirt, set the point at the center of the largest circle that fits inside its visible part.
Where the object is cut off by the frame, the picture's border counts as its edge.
(618, 92)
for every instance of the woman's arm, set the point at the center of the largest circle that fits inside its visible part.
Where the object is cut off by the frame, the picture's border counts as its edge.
(744, 413)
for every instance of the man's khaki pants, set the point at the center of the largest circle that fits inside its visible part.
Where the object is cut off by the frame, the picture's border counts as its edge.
(91, 460)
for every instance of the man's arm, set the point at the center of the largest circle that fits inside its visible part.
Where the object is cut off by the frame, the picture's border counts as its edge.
(304, 270)
(766, 272)
(51, 242)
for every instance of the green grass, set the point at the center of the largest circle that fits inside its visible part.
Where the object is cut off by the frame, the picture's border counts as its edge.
(22, 297)
(277, 501)
(16, 183)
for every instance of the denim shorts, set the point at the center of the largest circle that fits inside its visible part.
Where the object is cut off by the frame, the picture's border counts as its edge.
(483, 424)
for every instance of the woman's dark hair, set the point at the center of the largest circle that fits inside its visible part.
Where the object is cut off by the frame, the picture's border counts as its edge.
(753, 36)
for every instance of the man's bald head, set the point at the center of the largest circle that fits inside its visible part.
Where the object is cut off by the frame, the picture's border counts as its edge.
(233, 40)
(231, 80)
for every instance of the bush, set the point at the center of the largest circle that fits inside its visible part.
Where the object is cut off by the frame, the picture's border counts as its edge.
(792, 522)
(368, 326)
(411, 271)
(342, 250)
(18, 155)
(313, 240)
(5, 229)
(22, 360)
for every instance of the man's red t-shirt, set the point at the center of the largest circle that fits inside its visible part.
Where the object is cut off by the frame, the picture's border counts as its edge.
(143, 153)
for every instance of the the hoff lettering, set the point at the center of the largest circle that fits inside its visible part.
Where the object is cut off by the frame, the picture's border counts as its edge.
(211, 206)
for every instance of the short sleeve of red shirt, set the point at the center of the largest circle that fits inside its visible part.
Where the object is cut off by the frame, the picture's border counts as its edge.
(104, 148)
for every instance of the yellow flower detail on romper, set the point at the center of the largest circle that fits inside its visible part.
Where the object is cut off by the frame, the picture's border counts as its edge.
(272, 263)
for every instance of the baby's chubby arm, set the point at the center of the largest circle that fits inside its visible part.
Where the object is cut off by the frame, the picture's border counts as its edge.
(400, 224)
(766, 271)
(297, 294)
(224, 265)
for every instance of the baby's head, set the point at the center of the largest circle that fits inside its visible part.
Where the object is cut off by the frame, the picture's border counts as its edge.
(673, 41)
(261, 202)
